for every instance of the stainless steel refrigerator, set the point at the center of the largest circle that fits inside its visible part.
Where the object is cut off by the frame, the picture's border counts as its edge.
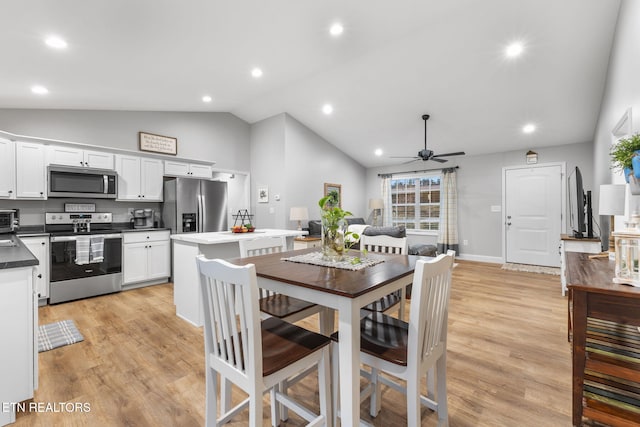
(194, 205)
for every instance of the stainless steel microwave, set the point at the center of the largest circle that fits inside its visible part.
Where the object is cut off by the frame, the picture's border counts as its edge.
(71, 181)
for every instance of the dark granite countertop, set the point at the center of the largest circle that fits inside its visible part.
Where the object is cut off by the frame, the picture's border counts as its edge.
(13, 253)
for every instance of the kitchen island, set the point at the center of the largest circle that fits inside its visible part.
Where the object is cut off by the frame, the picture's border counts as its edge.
(186, 247)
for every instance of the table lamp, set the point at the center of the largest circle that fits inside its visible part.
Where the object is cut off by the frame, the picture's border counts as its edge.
(376, 204)
(299, 214)
(612, 198)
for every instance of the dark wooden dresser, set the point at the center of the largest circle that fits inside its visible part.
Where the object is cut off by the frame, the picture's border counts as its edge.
(605, 322)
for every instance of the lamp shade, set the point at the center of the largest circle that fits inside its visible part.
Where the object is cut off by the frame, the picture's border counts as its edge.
(299, 213)
(376, 204)
(612, 198)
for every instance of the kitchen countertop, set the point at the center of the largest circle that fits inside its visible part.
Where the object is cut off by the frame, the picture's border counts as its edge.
(229, 237)
(16, 255)
(40, 230)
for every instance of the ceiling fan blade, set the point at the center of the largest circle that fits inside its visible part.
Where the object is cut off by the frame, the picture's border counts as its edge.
(404, 157)
(438, 160)
(457, 153)
(410, 161)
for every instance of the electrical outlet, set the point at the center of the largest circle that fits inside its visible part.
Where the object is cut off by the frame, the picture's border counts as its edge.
(465, 242)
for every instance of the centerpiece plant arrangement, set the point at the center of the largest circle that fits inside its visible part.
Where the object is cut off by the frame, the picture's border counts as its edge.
(336, 240)
(625, 156)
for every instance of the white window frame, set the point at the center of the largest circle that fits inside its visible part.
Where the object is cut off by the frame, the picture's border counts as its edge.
(417, 205)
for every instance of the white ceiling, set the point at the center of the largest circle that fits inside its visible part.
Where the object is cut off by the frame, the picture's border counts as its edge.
(395, 61)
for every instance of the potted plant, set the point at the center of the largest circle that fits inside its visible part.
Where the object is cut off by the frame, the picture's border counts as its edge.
(625, 156)
(334, 228)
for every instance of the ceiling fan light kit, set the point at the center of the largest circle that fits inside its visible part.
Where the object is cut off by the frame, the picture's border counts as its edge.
(426, 154)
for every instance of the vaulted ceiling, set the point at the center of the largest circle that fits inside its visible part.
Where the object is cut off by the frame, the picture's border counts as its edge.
(393, 62)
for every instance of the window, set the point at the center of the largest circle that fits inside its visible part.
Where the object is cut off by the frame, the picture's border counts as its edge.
(415, 202)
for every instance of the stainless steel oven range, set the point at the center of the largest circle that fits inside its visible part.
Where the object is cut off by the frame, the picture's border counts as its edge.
(86, 255)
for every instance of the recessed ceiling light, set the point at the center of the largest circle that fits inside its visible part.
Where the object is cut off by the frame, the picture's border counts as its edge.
(327, 109)
(378, 152)
(56, 42)
(514, 50)
(256, 72)
(336, 29)
(207, 98)
(529, 128)
(40, 90)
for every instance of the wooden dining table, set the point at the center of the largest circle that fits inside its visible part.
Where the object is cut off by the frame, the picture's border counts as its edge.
(345, 291)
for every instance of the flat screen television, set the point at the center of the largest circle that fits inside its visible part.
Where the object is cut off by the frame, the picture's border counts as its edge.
(580, 211)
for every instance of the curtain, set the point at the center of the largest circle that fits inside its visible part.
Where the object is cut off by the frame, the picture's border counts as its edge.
(386, 197)
(448, 234)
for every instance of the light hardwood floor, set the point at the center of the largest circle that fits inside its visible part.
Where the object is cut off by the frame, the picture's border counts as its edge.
(508, 359)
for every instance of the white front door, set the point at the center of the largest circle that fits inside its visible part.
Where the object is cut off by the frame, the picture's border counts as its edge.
(533, 215)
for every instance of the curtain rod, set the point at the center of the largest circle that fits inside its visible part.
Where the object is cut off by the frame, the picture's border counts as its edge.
(423, 170)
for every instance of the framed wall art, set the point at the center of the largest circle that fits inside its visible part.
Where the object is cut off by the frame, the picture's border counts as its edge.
(158, 143)
(263, 194)
(335, 193)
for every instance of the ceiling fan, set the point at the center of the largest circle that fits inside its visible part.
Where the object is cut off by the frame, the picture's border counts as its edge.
(426, 154)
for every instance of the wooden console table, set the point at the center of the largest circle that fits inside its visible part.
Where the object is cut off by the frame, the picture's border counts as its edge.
(601, 348)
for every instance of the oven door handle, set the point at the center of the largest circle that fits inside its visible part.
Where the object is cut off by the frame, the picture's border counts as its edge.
(55, 239)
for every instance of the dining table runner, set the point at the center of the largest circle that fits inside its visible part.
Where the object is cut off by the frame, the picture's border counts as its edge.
(349, 262)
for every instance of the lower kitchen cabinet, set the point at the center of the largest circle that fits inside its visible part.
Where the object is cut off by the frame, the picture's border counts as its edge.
(146, 258)
(19, 350)
(39, 247)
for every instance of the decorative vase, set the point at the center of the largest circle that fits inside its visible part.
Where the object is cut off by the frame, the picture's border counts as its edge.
(635, 162)
(332, 238)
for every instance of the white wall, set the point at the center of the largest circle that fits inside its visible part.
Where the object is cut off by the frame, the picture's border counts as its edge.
(480, 187)
(218, 137)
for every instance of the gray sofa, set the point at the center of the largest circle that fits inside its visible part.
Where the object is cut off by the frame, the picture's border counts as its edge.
(315, 225)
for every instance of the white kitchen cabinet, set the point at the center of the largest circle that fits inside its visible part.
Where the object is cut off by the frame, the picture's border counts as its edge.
(7, 169)
(39, 247)
(189, 170)
(19, 354)
(72, 156)
(139, 178)
(31, 176)
(146, 257)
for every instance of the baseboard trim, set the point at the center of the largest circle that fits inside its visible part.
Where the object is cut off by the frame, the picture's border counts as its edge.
(481, 258)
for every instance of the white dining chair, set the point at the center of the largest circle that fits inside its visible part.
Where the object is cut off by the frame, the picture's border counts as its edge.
(253, 354)
(283, 307)
(277, 305)
(387, 245)
(408, 351)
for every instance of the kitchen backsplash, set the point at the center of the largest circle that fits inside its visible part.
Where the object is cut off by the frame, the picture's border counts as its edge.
(32, 211)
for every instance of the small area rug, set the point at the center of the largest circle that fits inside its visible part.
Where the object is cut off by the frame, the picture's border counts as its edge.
(58, 334)
(532, 268)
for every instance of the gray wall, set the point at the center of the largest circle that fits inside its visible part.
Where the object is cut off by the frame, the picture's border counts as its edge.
(217, 137)
(480, 187)
(622, 92)
(267, 160)
(294, 162)
(311, 161)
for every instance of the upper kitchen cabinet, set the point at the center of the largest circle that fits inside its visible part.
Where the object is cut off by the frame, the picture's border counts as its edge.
(72, 156)
(139, 178)
(188, 170)
(7, 169)
(31, 176)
